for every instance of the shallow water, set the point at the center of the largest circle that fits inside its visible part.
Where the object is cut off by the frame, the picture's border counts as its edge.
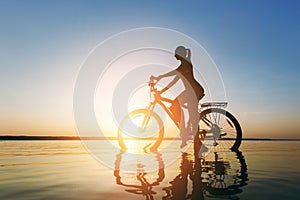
(65, 170)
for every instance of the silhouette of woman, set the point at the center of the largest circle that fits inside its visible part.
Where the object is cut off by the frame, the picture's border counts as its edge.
(191, 95)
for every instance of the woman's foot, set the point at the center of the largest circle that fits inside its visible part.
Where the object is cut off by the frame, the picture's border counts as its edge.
(183, 144)
(184, 139)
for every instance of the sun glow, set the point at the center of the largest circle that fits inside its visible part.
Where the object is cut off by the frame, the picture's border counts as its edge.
(123, 86)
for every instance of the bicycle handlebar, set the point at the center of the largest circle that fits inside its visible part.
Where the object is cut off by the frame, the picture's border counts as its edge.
(152, 83)
(153, 89)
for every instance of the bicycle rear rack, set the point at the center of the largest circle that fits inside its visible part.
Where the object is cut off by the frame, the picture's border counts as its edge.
(214, 104)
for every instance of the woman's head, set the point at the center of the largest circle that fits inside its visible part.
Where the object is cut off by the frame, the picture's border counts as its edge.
(182, 53)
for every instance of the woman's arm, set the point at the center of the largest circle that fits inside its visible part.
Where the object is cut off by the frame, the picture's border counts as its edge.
(176, 78)
(171, 73)
(168, 74)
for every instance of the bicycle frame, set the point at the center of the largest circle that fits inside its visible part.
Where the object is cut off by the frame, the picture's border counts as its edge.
(158, 99)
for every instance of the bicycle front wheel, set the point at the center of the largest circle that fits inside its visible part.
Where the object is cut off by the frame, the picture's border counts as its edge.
(222, 128)
(141, 130)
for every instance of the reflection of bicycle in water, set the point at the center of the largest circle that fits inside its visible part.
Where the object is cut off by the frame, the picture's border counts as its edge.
(218, 127)
(224, 174)
(140, 182)
(214, 177)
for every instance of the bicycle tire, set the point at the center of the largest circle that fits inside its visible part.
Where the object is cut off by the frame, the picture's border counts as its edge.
(157, 137)
(215, 117)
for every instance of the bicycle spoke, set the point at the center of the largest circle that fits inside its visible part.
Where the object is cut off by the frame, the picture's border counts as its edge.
(216, 119)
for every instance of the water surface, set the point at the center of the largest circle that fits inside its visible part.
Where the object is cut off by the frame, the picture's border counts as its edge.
(65, 170)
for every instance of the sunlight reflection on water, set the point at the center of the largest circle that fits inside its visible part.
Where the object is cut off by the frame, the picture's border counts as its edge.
(65, 170)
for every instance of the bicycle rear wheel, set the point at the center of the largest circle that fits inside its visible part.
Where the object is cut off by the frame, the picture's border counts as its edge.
(221, 128)
(141, 130)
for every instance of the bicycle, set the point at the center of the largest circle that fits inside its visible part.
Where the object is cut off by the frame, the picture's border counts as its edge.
(218, 127)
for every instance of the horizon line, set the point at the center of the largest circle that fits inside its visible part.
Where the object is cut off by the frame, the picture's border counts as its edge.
(28, 137)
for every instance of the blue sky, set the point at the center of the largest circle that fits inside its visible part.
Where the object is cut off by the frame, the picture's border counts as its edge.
(255, 45)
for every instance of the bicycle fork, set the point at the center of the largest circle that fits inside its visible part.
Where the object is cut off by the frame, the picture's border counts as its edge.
(146, 119)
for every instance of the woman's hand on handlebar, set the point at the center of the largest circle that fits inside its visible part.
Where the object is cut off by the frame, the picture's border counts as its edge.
(154, 79)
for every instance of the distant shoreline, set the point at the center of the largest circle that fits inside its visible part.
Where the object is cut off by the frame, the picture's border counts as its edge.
(7, 137)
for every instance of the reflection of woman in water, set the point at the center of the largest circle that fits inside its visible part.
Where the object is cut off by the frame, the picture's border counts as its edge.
(191, 95)
(179, 185)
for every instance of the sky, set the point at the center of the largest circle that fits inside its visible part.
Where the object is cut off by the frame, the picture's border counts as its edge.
(255, 45)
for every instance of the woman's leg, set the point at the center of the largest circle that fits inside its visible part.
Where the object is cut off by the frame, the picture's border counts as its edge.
(194, 116)
(183, 99)
(190, 98)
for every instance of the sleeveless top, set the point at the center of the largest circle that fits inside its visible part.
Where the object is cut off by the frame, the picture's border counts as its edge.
(186, 70)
